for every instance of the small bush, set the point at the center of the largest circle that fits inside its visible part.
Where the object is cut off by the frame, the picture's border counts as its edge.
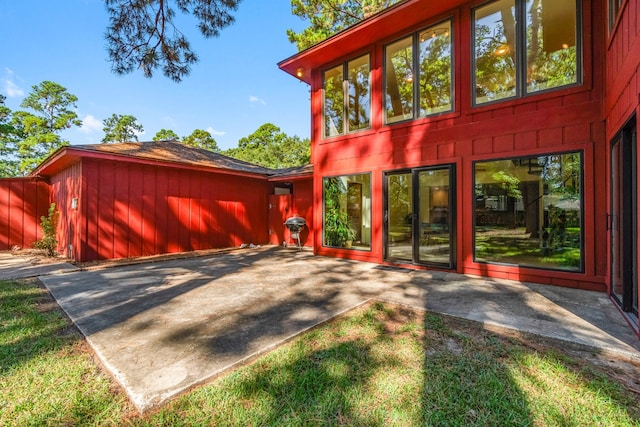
(49, 224)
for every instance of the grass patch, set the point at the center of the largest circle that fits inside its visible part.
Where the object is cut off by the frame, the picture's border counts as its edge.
(378, 365)
(47, 375)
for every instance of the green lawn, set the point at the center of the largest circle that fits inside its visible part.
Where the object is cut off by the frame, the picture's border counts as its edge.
(378, 365)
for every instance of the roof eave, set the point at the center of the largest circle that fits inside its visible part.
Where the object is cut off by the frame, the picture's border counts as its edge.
(357, 37)
(68, 155)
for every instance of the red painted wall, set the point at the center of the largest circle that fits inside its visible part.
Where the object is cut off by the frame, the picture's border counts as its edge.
(282, 207)
(128, 209)
(22, 202)
(303, 207)
(65, 186)
(623, 68)
(561, 120)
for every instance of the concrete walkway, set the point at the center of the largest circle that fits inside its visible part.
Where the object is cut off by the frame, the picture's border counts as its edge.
(164, 327)
(24, 264)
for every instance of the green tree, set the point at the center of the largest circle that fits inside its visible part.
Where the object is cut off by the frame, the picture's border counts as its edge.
(166, 135)
(53, 111)
(270, 147)
(9, 136)
(200, 138)
(121, 128)
(142, 34)
(328, 17)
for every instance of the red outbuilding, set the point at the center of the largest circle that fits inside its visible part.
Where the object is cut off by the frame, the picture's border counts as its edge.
(495, 138)
(137, 199)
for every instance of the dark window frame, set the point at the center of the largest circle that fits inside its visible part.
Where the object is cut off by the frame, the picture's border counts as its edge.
(345, 97)
(322, 235)
(581, 269)
(415, 63)
(521, 55)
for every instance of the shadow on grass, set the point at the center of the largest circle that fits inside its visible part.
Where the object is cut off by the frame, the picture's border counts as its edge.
(31, 323)
(478, 377)
(465, 380)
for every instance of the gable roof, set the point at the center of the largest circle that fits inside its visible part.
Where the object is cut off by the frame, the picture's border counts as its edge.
(168, 153)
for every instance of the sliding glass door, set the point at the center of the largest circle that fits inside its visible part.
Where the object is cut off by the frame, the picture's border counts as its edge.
(419, 216)
(623, 222)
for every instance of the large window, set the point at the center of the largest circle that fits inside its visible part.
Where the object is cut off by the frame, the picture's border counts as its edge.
(347, 101)
(528, 211)
(512, 60)
(418, 74)
(347, 211)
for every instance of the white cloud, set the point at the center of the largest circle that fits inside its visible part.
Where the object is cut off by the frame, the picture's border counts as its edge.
(214, 132)
(10, 87)
(91, 124)
(255, 100)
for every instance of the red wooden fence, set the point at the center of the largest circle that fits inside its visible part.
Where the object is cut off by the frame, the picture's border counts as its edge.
(22, 202)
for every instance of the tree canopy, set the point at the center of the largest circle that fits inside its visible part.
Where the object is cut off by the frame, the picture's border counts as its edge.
(328, 17)
(268, 146)
(9, 136)
(28, 137)
(36, 133)
(200, 138)
(143, 35)
(121, 128)
(166, 135)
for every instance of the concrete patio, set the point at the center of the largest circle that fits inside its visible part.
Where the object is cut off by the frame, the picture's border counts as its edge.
(164, 327)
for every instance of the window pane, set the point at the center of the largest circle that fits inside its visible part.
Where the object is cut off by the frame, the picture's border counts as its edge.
(528, 211)
(614, 8)
(551, 44)
(333, 102)
(495, 51)
(347, 211)
(399, 80)
(359, 93)
(400, 214)
(435, 69)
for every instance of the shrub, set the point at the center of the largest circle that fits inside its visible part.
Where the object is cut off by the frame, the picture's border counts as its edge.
(49, 224)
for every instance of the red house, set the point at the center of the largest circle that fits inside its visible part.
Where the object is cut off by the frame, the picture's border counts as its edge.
(486, 137)
(138, 199)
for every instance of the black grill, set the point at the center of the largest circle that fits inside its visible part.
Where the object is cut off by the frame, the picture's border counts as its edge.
(295, 224)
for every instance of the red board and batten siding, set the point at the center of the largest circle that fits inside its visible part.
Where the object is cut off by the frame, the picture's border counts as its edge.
(284, 206)
(22, 202)
(623, 69)
(65, 186)
(129, 209)
(563, 120)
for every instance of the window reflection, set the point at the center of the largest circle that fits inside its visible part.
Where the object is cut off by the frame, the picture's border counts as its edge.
(528, 211)
(419, 67)
(495, 51)
(347, 211)
(351, 95)
(551, 44)
(333, 102)
(359, 93)
(399, 80)
(435, 69)
(514, 60)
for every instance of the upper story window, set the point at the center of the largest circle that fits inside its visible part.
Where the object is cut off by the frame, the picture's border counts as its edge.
(614, 8)
(513, 60)
(419, 74)
(347, 97)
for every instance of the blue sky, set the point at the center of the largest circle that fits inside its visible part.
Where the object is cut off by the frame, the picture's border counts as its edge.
(234, 88)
